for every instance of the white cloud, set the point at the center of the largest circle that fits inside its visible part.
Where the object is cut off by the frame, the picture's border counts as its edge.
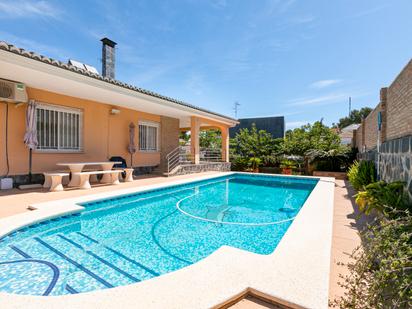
(27, 8)
(321, 100)
(303, 19)
(325, 83)
(279, 6)
(331, 98)
(370, 11)
(218, 4)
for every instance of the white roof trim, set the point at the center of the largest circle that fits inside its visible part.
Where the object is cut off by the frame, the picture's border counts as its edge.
(44, 76)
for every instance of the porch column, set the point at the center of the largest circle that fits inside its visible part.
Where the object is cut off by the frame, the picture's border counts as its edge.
(194, 139)
(225, 144)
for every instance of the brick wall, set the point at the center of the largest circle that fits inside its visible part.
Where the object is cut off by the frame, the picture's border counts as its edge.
(371, 132)
(399, 105)
(394, 160)
(396, 108)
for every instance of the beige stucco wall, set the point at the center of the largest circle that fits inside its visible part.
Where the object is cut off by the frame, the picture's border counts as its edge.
(104, 135)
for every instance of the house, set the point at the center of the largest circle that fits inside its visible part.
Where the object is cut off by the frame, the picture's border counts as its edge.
(272, 125)
(347, 134)
(83, 116)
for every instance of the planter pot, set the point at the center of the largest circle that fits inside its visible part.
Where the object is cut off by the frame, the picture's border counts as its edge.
(251, 170)
(286, 171)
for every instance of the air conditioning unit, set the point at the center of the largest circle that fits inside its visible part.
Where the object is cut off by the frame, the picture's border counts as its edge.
(13, 92)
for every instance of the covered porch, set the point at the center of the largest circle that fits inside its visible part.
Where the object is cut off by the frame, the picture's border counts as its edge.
(102, 110)
(193, 156)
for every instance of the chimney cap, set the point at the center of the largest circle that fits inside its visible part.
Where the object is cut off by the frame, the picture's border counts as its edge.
(108, 42)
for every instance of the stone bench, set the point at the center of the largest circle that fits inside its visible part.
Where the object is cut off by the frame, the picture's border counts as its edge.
(85, 177)
(53, 180)
(128, 173)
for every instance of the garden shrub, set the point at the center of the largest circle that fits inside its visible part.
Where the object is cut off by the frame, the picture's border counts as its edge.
(239, 163)
(361, 174)
(254, 163)
(380, 196)
(380, 275)
(286, 163)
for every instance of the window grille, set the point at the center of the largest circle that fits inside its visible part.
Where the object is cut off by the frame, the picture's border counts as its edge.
(59, 128)
(148, 136)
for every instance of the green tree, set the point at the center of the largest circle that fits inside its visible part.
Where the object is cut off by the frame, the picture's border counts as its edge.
(184, 138)
(310, 137)
(249, 144)
(210, 139)
(355, 116)
(207, 138)
(319, 145)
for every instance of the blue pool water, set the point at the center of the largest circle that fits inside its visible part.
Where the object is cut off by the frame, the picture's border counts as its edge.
(131, 238)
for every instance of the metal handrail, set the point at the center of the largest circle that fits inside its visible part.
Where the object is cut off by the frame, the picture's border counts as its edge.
(173, 159)
(210, 155)
(181, 155)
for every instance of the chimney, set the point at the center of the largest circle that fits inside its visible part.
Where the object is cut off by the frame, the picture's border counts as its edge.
(108, 58)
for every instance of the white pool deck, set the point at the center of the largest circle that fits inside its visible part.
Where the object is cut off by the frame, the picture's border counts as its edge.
(296, 273)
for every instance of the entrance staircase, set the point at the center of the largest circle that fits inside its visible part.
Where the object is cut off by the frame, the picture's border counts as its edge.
(180, 161)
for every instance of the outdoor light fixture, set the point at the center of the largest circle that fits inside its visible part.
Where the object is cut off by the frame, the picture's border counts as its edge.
(114, 111)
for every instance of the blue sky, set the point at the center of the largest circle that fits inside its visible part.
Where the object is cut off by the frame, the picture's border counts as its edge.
(297, 58)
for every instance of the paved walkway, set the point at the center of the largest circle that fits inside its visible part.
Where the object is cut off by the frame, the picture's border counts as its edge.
(347, 222)
(346, 225)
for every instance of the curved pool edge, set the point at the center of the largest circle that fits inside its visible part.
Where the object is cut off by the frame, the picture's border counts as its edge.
(296, 272)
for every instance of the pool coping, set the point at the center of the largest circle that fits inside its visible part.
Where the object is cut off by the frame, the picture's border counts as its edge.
(296, 273)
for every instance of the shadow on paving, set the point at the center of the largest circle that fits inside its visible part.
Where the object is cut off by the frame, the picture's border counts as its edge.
(361, 220)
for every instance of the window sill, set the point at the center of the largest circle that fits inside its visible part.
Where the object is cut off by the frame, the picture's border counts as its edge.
(149, 151)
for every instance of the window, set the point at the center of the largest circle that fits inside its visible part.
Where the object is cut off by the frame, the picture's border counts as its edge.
(148, 136)
(59, 128)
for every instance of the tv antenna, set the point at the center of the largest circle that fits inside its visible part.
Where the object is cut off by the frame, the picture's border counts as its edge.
(236, 108)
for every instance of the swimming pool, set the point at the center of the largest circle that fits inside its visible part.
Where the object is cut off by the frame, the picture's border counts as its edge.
(132, 238)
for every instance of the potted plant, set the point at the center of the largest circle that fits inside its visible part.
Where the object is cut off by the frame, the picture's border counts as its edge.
(254, 164)
(287, 166)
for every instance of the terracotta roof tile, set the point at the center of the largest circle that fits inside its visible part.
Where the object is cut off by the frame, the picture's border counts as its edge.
(32, 55)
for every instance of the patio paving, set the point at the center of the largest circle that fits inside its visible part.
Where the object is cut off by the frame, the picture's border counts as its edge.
(347, 223)
(346, 226)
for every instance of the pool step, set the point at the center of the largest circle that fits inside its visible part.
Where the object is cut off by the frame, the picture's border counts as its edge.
(119, 255)
(24, 256)
(82, 260)
(97, 259)
(9, 254)
(84, 282)
(88, 262)
(100, 259)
